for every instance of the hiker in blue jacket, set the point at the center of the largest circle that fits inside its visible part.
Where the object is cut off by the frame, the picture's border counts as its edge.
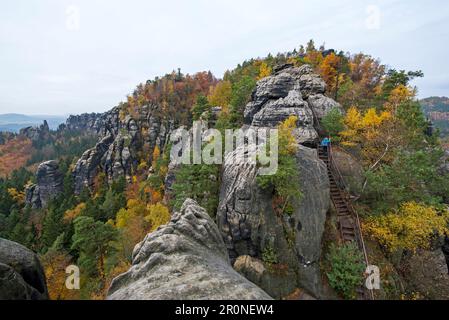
(326, 142)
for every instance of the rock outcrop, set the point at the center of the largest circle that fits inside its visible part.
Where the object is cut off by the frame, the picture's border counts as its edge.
(250, 226)
(120, 139)
(184, 260)
(50, 183)
(21, 274)
(245, 214)
(38, 133)
(290, 91)
(86, 123)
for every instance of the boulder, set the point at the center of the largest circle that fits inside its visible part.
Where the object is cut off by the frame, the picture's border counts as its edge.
(50, 183)
(21, 274)
(184, 260)
(274, 282)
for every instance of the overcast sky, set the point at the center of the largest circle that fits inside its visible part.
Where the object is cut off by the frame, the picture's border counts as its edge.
(69, 57)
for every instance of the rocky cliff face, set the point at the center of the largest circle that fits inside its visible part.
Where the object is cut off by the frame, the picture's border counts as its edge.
(250, 226)
(90, 123)
(21, 274)
(245, 215)
(183, 260)
(49, 185)
(121, 138)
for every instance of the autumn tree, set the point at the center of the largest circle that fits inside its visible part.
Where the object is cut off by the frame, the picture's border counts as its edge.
(221, 95)
(373, 132)
(158, 215)
(265, 70)
(412, 227)
(55, 261)
(331, 72)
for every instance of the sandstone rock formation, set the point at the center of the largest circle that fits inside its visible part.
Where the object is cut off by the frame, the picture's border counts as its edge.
(21, 274)
(290, 91)
(250, 226)
(120, 139)
(183, 260)
(245, 214)
(90, 123)
(49, 185)
(38, 133)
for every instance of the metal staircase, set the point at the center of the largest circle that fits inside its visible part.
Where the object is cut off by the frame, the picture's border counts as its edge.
(347, 218)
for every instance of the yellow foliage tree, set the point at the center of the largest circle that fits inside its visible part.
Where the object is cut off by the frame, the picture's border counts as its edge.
(399, 95)
(54, 264)
(220, 95)
(264, 70)
(130, 221)
(156, 155)
(373, 132)
(17, 195)
(353, 124)
(158, 215)
(411, 228)
(287, 141)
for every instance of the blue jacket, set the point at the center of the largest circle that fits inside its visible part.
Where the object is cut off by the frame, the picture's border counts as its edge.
(326, 142)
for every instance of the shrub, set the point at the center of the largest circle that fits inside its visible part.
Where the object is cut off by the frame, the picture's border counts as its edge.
(347, 269)
(285, 181)
(269, 256)
(412, 227)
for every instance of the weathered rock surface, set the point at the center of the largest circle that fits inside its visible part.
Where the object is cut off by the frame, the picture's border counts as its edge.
(91, 123)
(274, 282)
(250, 226)
(183, 260)
(245, 215)
(322, 105)
(21, 274)
(428, 274)
(350, 169)
(121, 138)
(49, 185)
(290, 91)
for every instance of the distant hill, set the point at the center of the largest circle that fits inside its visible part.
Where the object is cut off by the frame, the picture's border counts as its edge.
(13, 122)
(437, 110)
